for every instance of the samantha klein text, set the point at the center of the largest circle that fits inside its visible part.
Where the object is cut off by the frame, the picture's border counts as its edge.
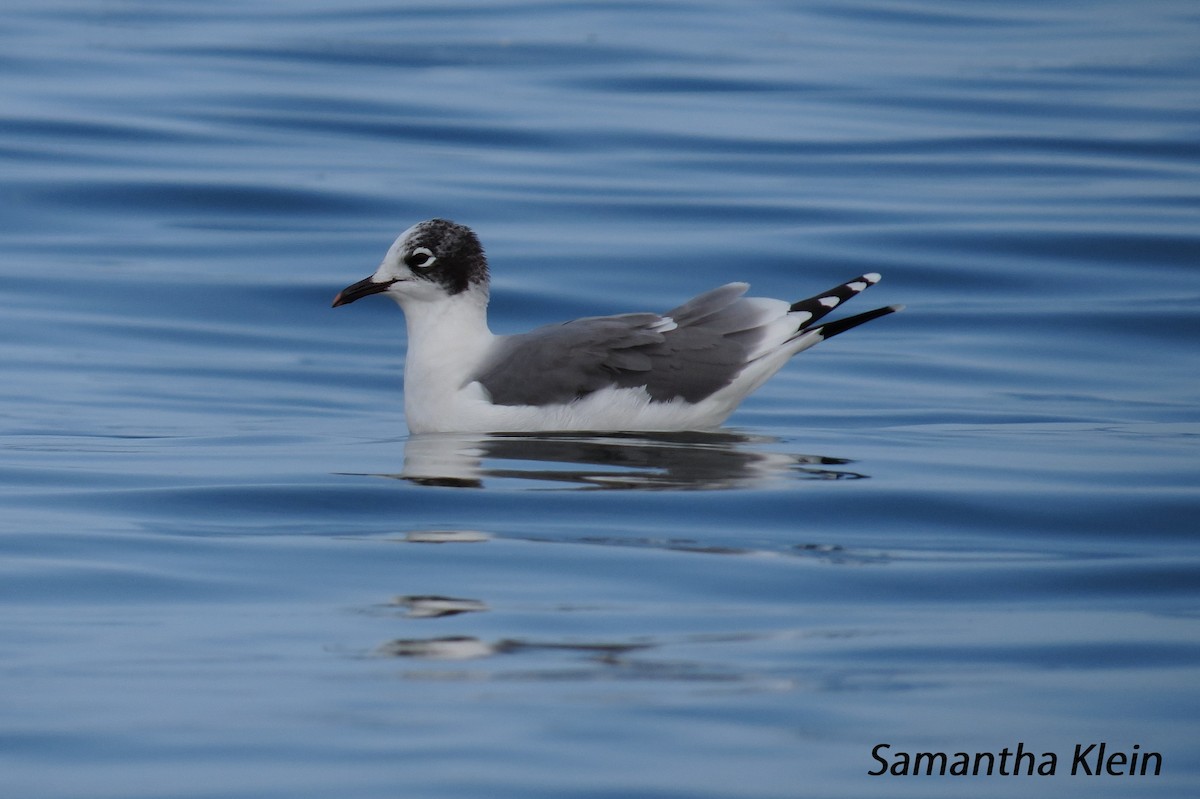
(1087, 760)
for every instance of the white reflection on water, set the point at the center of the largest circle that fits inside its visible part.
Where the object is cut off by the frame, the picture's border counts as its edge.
(695, 461)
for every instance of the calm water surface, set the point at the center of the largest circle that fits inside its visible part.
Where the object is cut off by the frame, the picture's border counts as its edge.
(226, 569)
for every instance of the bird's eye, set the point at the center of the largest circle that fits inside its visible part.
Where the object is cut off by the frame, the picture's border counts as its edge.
(420, 258)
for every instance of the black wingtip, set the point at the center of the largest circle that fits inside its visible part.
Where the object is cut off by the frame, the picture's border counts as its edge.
(816, 307)
(831, 329)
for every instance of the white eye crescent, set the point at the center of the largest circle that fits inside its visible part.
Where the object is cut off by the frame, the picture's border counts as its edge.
(420, 258)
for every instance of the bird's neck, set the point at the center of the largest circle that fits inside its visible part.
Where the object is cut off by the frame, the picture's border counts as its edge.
(448, 323)
(446, 340)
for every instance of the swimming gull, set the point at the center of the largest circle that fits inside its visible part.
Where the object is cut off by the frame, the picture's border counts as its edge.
(687, 369)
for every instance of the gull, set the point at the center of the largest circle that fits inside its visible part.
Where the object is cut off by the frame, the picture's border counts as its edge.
(687, 369)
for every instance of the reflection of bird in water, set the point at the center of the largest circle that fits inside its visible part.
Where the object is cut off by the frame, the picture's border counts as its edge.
(687, 369)
(645, 461)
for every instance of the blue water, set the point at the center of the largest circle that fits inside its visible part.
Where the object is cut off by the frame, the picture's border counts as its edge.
(227, 571)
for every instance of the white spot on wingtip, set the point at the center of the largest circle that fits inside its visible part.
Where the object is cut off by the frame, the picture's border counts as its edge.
(829, 302)
(857, 286)
(872, 277)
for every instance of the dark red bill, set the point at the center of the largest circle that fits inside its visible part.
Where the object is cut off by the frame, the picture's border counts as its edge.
(359, 290)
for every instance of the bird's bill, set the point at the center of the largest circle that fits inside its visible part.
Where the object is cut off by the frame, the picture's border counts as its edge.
(357, 291)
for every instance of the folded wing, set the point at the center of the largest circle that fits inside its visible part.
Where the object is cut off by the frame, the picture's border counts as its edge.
(688, 353)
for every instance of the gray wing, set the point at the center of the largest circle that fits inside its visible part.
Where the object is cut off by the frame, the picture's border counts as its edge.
(689, 352)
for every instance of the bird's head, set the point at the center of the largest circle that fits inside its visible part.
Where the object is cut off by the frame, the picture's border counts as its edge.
(431, 261)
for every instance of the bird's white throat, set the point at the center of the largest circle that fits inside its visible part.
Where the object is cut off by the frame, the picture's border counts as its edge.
(447, 339)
